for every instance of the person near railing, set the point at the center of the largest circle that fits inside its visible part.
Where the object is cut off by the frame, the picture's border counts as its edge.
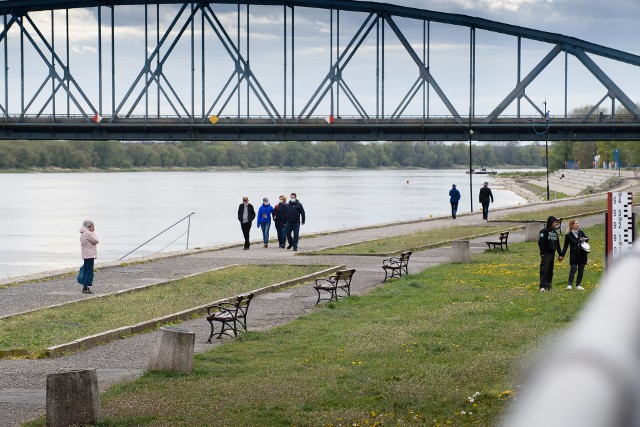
(88, 243)
(264, 220)
(246, 214)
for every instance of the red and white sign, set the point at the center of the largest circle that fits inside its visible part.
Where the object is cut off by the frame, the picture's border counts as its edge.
(97, 118)
(329, 119)
(619, 224)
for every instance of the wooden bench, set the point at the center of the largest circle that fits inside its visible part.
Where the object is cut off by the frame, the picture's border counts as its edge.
(502, 241)
(229, 314)
(340, 280)
(395, 267)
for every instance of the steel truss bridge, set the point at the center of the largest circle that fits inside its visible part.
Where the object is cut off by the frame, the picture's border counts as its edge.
(172, 70)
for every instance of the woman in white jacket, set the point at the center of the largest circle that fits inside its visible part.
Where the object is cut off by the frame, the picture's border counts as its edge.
(88, 243)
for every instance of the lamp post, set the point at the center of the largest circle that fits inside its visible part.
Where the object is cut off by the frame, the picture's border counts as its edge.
(546, 144)
(470, 167)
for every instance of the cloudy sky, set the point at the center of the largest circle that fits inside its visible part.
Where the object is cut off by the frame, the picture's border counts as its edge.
(612, 24)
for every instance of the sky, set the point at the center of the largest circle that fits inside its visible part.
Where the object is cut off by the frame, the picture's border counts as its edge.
(612, 24)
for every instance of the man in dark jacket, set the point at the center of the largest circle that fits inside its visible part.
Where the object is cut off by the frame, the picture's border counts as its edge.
(548, 244)
(280, 219)
(454, 198)
(246, 215)
(295, 212)
(485, 196)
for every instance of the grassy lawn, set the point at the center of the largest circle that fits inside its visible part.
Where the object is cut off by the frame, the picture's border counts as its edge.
(438, 348)
(72, 321)
(410, 241)
(565, 212)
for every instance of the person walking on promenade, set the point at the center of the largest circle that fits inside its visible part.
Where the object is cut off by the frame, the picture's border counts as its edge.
(88, 244)
(548, 244)
(246, 214)
(577, 254)
(295, 212)
(454, 198)
(280, 220)
(485, 196)
(264, 220)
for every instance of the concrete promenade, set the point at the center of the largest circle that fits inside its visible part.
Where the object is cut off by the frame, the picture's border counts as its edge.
(22, 382)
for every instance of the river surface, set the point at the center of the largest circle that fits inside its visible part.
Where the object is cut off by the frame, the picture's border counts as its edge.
(41, 213)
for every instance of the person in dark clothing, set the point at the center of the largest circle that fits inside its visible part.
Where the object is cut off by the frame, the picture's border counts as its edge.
(454, 198)
(577, 255)
(485, 196)
(246, 215)
(548, 244)
(280, 220)
(295, 212)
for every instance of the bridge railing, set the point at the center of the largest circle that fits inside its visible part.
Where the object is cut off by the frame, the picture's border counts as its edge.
(475, 121)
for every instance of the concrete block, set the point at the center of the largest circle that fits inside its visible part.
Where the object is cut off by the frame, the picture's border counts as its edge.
(73, 398)
(460, 251)
(173, 350)
(62, 349)
(532, 231)
(141, 327)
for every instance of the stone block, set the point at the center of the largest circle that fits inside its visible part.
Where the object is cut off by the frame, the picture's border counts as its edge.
(460, 251)
(532, 231)
(173, 350)
(73, 398)
(62, 349)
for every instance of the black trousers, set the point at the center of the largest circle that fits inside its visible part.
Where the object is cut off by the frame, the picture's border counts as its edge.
(485, 210)
(454, 209)
(572, 272)
(282, 237)
(546, 270)
(246, 227)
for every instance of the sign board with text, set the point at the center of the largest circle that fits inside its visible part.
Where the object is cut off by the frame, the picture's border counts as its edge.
(620, 224)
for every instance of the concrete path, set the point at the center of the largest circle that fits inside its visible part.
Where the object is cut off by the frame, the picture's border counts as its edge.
(22, 382)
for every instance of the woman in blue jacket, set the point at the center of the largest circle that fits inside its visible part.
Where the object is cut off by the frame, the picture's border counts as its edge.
(264, 220)
(454, 198)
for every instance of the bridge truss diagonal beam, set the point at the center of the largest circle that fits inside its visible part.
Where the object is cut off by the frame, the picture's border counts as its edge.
(338, 66)
(242, 67)
(424, 72)
(518, 91)
(52, 72)
(604, 79)
(146, 69)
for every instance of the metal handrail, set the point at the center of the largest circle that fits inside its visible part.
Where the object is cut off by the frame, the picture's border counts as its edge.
(188, 218)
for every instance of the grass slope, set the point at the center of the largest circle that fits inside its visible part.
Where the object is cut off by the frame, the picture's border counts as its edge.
(72, 321)
(441, 347)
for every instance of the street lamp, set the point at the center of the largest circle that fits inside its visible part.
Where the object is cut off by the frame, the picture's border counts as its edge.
(546, 144)
(470, 167)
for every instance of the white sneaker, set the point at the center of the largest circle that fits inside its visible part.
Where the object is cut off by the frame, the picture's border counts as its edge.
(569, 288)
(580, 288)
(543, 290)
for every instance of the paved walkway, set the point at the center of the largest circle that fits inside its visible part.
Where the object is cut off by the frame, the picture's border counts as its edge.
(22, 382)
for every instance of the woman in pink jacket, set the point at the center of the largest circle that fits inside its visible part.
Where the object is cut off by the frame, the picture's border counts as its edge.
(88, 243)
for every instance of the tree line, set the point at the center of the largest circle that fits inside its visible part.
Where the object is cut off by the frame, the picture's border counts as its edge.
(291, 154)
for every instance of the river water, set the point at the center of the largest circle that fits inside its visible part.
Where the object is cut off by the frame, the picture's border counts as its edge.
(41, 213)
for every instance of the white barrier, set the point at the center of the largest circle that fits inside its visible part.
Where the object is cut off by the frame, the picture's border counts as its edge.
(590, 378)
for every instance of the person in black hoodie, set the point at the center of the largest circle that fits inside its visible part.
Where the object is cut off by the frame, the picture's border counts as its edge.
(295, 212)
(280, 219)
(549, 244)
(577, 255)
(246, 215)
